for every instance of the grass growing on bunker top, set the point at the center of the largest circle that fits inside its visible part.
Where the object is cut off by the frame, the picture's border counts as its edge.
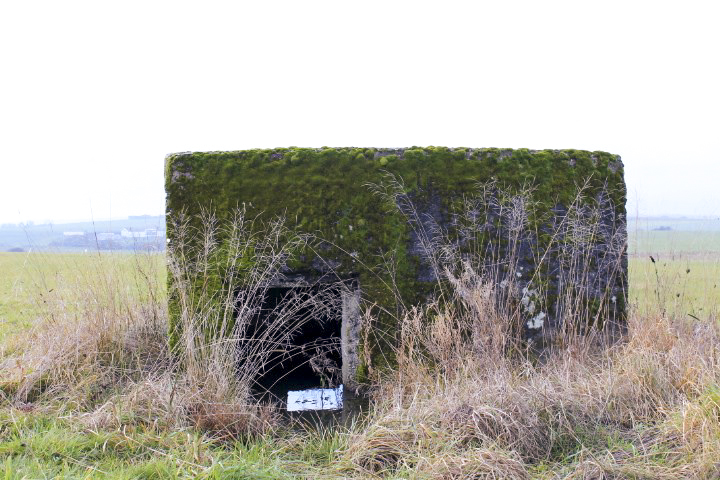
(104, 399)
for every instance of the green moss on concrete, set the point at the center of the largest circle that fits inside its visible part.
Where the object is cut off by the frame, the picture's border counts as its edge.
(324, 192)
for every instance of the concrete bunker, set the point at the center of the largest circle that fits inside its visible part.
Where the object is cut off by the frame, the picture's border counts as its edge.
(327, 192)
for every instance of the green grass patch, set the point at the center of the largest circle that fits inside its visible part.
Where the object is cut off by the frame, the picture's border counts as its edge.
(43, 446)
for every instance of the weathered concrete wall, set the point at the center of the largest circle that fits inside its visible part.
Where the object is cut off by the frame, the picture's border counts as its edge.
(325, 192)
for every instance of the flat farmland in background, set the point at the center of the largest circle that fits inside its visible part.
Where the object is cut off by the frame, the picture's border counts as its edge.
(683, 283)
(685, 277)
(674, 242)
(673, 236)
(31, 283)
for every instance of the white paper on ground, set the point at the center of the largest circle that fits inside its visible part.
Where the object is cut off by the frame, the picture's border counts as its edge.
(315, 399)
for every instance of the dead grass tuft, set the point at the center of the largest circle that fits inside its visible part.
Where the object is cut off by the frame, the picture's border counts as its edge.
(473, 463)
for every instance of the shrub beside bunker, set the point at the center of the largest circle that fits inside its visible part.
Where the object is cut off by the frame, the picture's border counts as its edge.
(376, 212)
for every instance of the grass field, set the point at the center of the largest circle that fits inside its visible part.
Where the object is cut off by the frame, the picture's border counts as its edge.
(674, 243)
(648, 409)
(32, 283)
(678, 283)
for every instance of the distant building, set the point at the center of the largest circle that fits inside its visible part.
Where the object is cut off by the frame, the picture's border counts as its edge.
(74, 234)
(105, 236)
(127, 233)
(148, 232)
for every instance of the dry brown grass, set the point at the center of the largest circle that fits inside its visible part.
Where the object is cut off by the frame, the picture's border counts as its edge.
(647, 407)
(92, 337)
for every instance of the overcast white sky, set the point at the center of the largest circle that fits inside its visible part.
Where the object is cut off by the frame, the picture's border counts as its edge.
(94, 94)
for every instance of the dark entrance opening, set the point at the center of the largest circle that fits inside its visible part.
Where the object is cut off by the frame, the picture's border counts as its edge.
(301, 327)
